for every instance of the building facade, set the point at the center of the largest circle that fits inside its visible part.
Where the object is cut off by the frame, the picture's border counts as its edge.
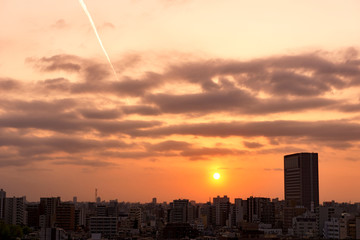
(2, 204)
(302, 179)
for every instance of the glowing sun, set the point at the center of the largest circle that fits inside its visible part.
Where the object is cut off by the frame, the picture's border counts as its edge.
(216, 176)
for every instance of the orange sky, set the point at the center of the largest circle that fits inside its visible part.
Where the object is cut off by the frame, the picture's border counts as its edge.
(203, 86)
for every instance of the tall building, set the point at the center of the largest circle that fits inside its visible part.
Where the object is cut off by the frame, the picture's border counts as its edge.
(15, 211)
(222, 209)
(302, 179)
(179, 211)
(260, 209)
(32, 215)
(47, 211)
(2, 203)
(65, 216)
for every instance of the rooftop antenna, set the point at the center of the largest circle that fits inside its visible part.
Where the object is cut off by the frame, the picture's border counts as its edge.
(95, 194)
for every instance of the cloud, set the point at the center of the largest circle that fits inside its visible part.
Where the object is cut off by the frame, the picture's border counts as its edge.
(141, 110)
(56, 84)
(59, 24)
(64, 62)
(236, 101)
(80, 114)
(252, 144)
(273, 169)
(321, 131)
(298, 75)
(169, 145)
(100, 114)
(8, 84)
(32, 106)
(70, 123)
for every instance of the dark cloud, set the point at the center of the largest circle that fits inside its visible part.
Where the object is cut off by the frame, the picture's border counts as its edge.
(237, 101)
(252, 144)
(41, 145)
(293, 83)
(141, 110)
(88, 115)
(29, 107)
(8, 84)
(298, 75)
(95, 72)
(169, 145)
(70, 123)
(100, 114)
(68, 63)
(136, 87)
(88, 163)
(201, 102)
(323, 131)
(55, 84)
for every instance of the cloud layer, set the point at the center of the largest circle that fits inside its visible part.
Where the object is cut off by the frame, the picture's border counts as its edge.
(81, 116)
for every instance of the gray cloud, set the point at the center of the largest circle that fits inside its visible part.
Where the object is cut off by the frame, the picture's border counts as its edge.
(323, 131)
(70, 115)
(169, 145)
(233, 101)
(8, 84)
(100, 114)
(252, 144)
(141, 110)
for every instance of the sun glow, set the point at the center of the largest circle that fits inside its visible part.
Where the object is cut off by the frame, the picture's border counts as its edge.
(216, 176)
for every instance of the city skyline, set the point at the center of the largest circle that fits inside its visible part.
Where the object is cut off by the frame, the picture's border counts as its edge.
(144, 99)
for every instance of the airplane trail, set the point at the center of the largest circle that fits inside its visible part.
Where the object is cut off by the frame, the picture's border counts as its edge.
(83, 5)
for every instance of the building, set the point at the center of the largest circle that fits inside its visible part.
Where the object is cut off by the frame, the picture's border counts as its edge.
(2, 203)
(107, 226)
(302, 179)
(260, 209)
(179, 211)
(357, 227)
(15, 211)
(32, 215)
(331, 229)
(222, 210)
(305, 226)
(240, 210)
(135, 219)
(47, 211)
(65, 216)
(53, 234)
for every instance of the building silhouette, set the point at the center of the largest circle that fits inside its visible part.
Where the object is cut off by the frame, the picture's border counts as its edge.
(2, 204)
(179, 211)
(302, 180)
(222, 210)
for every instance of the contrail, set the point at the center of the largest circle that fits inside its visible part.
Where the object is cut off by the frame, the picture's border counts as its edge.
(83, 5)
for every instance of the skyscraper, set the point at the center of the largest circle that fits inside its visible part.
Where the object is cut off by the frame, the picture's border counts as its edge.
(222, 209)
(2, 204)
(302, 179)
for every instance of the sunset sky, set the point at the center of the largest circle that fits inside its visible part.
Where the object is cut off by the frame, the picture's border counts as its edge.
(201, 86)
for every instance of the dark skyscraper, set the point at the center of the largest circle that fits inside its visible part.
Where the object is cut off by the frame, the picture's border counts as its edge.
(302, 179)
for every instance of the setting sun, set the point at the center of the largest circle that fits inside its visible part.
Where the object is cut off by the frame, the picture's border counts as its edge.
(216, 176)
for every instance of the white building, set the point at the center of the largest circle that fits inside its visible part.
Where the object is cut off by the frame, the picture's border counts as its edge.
(305, 225)
(332, 229)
